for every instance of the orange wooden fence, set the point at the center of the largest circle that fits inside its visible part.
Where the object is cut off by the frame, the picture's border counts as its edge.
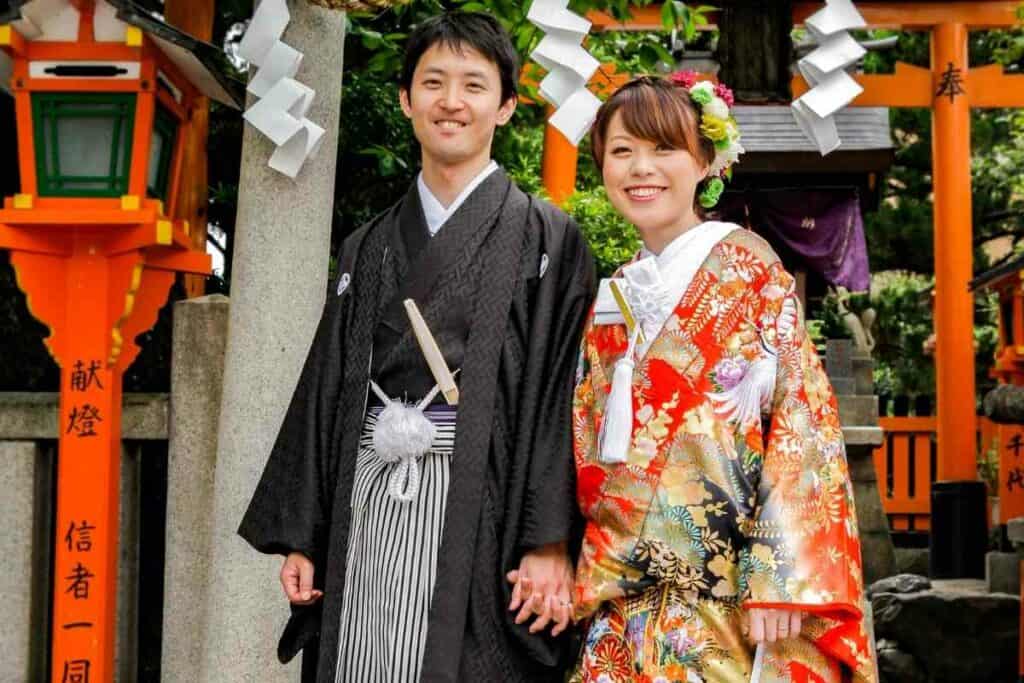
(905, 466)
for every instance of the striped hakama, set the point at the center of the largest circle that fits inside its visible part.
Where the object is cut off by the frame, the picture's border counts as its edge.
(392, 560)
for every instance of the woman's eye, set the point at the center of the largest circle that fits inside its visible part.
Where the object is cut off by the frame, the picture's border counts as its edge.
(620, 150)
(663, 148)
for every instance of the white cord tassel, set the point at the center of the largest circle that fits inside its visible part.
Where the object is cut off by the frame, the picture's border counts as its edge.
(403, 435)
(617, 427)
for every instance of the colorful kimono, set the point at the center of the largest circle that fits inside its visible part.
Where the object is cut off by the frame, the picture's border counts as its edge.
(734, 493)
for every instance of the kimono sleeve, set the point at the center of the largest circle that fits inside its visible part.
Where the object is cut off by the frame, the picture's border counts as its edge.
(803, 549)
(560, 310)
(290, 509)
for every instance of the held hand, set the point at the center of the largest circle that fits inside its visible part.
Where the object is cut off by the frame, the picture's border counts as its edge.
(769, 625)
(297, 580)
(542, 587)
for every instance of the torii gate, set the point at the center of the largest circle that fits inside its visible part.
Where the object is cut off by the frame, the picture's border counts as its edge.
(950, 88)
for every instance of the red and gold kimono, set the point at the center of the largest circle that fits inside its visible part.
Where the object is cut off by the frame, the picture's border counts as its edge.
(735, 492)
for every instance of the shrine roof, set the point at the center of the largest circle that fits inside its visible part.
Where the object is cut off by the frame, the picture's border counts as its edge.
(772, 128)
(202, 63)
(993, 275)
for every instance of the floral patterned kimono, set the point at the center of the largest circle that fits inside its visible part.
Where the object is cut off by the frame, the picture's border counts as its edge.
(734, 494)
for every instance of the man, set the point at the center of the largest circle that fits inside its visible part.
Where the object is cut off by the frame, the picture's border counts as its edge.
(436, 549)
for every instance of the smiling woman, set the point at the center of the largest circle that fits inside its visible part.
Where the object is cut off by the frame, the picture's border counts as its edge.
(708, 447)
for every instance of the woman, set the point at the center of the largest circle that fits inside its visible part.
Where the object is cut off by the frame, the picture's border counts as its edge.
(710, 462)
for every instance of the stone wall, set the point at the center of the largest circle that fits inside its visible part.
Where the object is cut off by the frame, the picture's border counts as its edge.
(28, 434)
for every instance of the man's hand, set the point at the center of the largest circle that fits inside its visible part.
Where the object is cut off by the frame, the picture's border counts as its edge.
(543, 586)
(297, 580)
(769, 625)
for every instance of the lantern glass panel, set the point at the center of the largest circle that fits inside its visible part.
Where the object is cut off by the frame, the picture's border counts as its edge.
(83, 143)
(161, 151)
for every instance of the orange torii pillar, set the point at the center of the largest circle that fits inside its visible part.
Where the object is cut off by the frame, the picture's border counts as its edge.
(558, 165)
(954, 303)
(959, 525)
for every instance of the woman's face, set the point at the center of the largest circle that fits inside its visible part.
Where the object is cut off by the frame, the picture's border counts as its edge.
(651, 186)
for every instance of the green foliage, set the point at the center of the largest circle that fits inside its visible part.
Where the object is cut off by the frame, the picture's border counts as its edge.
(377, 153)
(612, 239)
(904, 363)
(519, 146)
(902, 302)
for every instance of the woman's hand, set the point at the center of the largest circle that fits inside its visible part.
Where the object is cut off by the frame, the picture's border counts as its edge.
(542, 587)
(769, 625)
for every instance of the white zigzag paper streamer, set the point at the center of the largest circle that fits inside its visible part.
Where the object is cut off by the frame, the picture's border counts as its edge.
(569, 67)
(831, 87)
(280, 113)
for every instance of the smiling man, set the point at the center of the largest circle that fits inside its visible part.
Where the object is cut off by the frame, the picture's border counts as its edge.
(426, 537)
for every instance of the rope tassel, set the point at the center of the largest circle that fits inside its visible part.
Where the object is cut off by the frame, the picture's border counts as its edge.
(617, 427)
(403, 435)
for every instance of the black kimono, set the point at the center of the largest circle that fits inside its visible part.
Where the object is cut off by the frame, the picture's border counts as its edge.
(506, 285)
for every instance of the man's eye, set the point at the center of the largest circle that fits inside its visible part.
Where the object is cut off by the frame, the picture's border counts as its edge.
(475, 87)
(432, 83)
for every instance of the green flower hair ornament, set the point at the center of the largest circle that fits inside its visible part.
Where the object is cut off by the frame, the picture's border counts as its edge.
(712, 192)
(701, 96)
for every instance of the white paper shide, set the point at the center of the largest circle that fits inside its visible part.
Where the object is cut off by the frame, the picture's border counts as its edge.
(280, 113)
(824, 69)
(569, 67)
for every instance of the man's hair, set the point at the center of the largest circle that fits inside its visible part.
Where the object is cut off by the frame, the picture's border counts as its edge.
(457, 30)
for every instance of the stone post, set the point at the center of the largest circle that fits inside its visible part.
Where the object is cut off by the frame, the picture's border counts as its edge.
(849, 370)
(278, 285)
(197, 373)
(17, 509)
(126, 661)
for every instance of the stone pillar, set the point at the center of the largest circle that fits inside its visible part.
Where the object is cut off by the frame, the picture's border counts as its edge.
(17, 478)
(850, 371)
(278, 286)
(197, 373)
(126, 661)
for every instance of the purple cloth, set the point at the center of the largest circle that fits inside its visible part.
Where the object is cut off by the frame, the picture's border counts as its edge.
(824, 227)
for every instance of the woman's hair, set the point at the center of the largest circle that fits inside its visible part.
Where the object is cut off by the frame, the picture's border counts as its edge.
(654, 109)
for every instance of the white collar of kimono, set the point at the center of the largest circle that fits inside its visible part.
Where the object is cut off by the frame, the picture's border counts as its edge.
(667, 275)
(435, 212)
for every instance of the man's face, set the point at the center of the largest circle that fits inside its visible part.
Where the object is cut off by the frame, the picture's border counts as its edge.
(455, 104)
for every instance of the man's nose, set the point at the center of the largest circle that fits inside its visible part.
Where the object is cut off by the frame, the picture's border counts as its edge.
(451, 99)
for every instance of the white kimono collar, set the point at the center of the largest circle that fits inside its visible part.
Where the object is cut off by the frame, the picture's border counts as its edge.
(677, 264)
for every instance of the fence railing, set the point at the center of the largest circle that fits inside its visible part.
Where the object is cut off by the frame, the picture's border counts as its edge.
(906, 467)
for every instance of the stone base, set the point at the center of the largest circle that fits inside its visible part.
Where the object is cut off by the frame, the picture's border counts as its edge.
(1002, 572)
(953, 632)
